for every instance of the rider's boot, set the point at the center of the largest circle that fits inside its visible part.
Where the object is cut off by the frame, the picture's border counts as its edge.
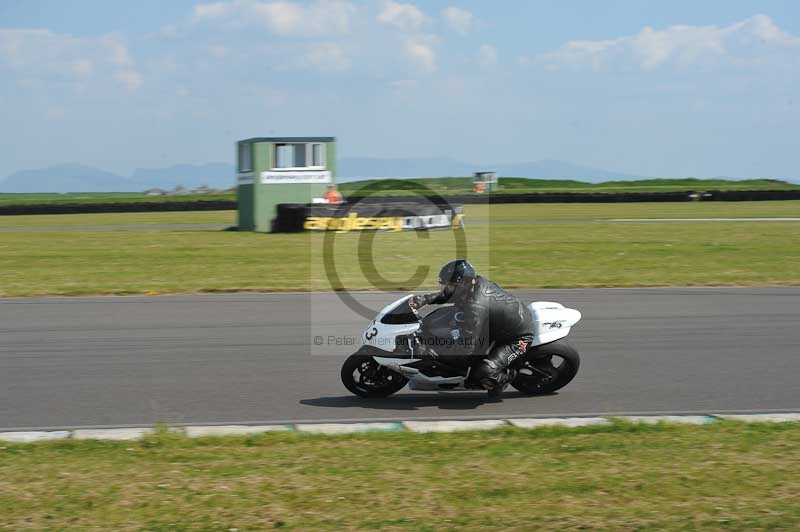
(495, 393)
(494, 389)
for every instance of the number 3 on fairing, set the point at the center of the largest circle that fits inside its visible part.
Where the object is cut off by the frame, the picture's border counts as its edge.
(371, 333)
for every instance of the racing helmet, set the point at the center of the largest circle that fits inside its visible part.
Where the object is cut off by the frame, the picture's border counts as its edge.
(456, 277)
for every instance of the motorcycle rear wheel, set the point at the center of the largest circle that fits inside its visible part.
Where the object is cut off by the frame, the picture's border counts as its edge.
(546, 368)
(366, 378)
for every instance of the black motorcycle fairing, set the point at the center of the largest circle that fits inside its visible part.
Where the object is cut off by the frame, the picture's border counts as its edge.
(440, 322)
(442, 366)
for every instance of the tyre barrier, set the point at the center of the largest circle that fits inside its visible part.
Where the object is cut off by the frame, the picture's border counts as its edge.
(751, 195)
(139, 206)
(367, 216)
(546, 197)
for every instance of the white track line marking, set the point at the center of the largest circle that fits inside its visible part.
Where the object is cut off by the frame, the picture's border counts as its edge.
(701, 220)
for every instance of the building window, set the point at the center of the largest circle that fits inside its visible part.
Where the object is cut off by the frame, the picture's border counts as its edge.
(245, 157)
(298, 155)
(317, 155)
(284, 156)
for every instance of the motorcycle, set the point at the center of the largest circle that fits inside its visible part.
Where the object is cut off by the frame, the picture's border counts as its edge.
(389, 358)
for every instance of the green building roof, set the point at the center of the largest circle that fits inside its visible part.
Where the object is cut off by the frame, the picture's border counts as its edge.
(290, 139)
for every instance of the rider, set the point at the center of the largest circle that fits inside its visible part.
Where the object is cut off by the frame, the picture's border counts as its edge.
(491, 314)
(333, 196)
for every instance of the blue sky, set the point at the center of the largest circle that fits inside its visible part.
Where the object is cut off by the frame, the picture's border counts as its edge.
(667, 89)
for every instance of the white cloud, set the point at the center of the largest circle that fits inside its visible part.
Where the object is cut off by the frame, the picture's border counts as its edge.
(458, 19)
(763, 28)
(130, 79)
(282, 17)
(327, 57)
(487, 56)
(55, 113)
(45, 55)
(421, 53)
(82, 67)
(404, 84)
(583, 53)
(404, 17)
(681, 45)
(213, 10)
(170, 31)
(118, 52)
(217, 51)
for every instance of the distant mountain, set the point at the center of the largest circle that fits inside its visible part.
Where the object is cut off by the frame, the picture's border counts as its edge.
(80, 178)
(551, 169)
(65, 178)
(352, 168)
(369, 167)
(214, 175)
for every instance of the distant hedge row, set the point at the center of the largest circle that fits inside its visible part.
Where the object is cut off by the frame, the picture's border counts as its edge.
(539, 197)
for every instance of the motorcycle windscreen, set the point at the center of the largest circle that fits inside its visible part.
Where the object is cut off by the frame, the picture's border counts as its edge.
(400, 315)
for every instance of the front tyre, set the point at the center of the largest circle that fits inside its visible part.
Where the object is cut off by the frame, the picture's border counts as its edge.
(366, 378)
(546, 368)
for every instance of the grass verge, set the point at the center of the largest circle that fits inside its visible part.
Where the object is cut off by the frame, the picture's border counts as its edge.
(564, 251)
(730, 476)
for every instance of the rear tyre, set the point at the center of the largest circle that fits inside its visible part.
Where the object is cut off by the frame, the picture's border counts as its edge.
(366, 378)
(546, 368)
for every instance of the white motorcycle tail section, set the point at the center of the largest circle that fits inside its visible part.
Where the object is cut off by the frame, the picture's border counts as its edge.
(552, 321)
(383, 335)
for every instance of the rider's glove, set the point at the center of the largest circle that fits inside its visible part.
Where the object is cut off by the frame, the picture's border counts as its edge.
(417, 302)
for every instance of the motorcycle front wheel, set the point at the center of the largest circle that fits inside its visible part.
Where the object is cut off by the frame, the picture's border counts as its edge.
(546, 368)
(366, 378)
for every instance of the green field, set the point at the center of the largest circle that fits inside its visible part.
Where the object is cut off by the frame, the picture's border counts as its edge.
(566, 249)
(727, 476)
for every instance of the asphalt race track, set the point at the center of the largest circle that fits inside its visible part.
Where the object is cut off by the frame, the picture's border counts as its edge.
(249, 358)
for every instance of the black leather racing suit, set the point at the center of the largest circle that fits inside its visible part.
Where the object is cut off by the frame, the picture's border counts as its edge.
(492, 315)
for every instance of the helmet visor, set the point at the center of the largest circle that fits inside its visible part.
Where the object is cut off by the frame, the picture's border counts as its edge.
(448, 289)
